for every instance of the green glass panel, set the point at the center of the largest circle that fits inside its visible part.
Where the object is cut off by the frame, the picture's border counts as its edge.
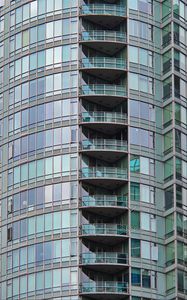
(170, 254)
(135, 191)
(135, 220)
(135, 164)
(168, 169)
(135, 248)
(168, 141)
(169, 221)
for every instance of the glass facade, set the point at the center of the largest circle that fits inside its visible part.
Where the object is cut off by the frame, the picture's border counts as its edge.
(93, 149)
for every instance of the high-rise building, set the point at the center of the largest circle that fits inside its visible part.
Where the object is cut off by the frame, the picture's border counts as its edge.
(93, 150)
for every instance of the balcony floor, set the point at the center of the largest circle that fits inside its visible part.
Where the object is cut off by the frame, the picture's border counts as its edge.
(106, 268)
(105, 46)
(108, 183)
(109, 128)
(106, 155)
(107, 211)
(105, 239)
(108, 21)
(106, 296)
(111, 74)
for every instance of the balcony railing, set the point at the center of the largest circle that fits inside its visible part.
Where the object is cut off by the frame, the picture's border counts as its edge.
(104, 35)
(104, 144)
(103, 117)
(104, 229)
(104, 63)
(104, 172)
(104, 287)
(104, 258)
(104, 200)
(104, 89)
(103, 9)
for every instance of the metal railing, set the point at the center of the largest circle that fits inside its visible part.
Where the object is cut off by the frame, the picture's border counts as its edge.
(104, 35)
(104, 200)
(104, 287)
(103, 9)
(104, 62)
(103, 229)
(103, 116)
(104, 144)
(104, 258)
(104, 89)
(103, 172)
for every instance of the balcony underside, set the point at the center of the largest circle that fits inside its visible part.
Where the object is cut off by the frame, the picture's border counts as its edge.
(108, 183)
(110, 1)
(110, 211)
(106, 128)
(108, 21)
(108, 47)
(105, 239)
(106, 296)
(109, 74)
(106, 155)
(106, 268)
(105, 100)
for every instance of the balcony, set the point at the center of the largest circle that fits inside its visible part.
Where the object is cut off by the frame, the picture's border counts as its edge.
(108, 68)
(109, 95)
(106, 14)
(108, 177)
(108, 41)
(104, 205)
(103, 9)
(104, 121)
(110, 262)
(109, 234)
(105, 290)
(108, 149)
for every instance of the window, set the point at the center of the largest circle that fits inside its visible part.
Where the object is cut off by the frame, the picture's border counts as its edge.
(50, 58)
(135, 220)
(181, 253)
(144, 278)
(170, 254)
(142, 110)
(141, 30)
(168, 169)
(145, 6)
(142, 165)
(169, 197)
(169, 225)
(136, 276)
(142, 137)
(135, 248)
(145, 250)
(33, 9)
(135, 164)
(166, 35)
(147, 193)
(143, 83)
(135, 191)
(148, 222)
(170, 281)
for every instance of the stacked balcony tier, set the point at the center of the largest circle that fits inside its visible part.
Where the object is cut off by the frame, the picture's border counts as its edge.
(109, 68)
(108, 177)
(110, 262)
(103, 148)
(104, 121)
(104, 94)
(110, 41)
(109, 234)
(106, 205)
(105, 290)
